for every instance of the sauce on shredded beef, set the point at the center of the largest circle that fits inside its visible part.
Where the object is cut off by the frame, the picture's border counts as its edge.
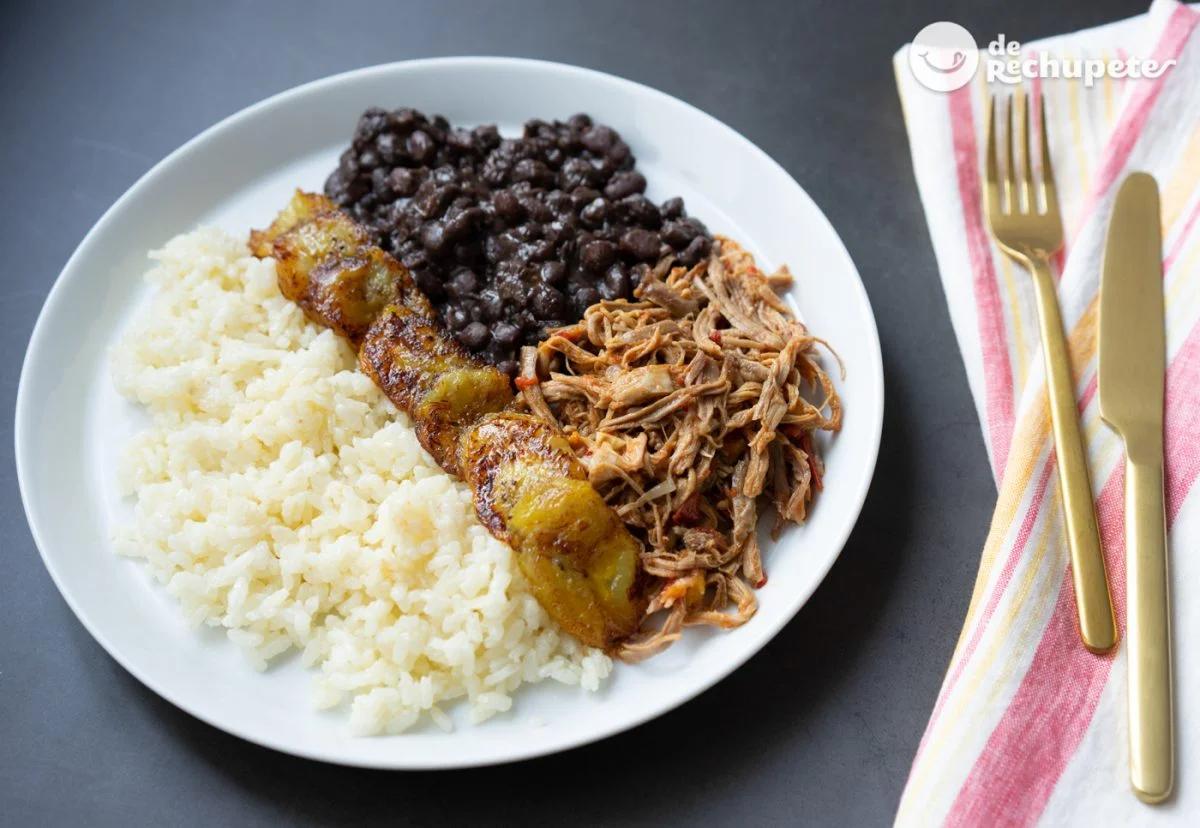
(687, 405)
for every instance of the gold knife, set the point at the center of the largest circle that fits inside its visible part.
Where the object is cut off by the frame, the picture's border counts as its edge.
(1132, 369)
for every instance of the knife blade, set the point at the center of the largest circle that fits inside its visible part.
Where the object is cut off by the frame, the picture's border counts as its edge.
(1132, 356)
(1132, 339)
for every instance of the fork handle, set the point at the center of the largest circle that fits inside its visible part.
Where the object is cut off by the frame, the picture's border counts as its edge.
(1097, 625)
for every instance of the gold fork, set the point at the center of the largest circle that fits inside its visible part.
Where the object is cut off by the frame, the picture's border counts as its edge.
(1030, 233)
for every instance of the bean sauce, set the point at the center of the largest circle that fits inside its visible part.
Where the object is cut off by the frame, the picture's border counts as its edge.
(509, 237)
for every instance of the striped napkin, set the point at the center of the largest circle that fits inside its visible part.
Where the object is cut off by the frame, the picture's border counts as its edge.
(1029, 727)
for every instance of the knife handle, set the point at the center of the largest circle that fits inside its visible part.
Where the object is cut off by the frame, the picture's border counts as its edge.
(1097, 623)
(1151, 749)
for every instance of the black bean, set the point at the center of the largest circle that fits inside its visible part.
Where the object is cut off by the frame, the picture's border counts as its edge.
(640, 244)
(404, 120)
(420, 147)
(528, 169)
(511, 287)
(404, 181)
(343, 190)
(433, 237)
(677, 234)
(505, 333)
(369, 125)
(508, 206)
(385, 145)
(641, 210)
(431, 199)
(498, 248)
(474, 336)
(616, 284)
(584, 298)
(548, 302)
(579, 121)
(583, 196)
(526, 232)
(577, 172)
(537, 251)
(459, 222)
(463, 283)
(486, 136)
(625, 184)
(561, 231)
(409, 222)
(594, 213)
(525, 319)
(490, 303)
(348, 162)
(672, 208)
(461, 140)
(413, 258)
(695, 251)
(537, 209)
(445, 174)
(597, 255)
(456, 317)
(598, 138)
(559, 203)
(381, 183)
(553, 273)
(368, 160)
(474, 309)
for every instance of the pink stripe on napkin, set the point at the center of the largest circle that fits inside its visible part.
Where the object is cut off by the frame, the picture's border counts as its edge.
(992, 335)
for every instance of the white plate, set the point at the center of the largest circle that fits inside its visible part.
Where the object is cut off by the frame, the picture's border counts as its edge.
(70, 423)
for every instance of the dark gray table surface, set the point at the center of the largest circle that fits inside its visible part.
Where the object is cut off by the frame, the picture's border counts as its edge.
(821, 726)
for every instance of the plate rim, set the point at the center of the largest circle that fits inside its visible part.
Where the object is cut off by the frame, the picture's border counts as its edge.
(24, 418)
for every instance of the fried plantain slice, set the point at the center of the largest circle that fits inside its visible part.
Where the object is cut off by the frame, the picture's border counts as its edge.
(580, 560)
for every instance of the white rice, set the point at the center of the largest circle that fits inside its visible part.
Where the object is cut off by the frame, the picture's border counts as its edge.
(279, 495)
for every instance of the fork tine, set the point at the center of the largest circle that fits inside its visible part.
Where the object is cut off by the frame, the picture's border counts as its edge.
(1010, 172)
(1028, 193)
(993, 169)
(1049, 191)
